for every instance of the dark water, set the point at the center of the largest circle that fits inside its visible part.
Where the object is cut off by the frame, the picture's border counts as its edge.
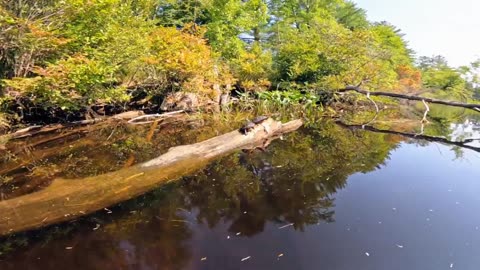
(325, 197)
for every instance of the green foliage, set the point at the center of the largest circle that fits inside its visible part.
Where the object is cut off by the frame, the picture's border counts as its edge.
(438, 75)
(76, 53)
(351, 16)
(107, 47)
(253, 68)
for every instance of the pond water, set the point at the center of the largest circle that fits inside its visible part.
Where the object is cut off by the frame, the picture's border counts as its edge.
(325, 197)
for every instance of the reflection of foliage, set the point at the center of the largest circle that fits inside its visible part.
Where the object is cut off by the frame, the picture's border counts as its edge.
(291, 182)
(294, 181)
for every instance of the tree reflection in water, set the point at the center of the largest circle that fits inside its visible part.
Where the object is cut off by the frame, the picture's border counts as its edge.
(292, 182)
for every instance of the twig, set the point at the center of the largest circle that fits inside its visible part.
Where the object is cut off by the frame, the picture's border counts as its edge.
(427, 109)
(155, 117)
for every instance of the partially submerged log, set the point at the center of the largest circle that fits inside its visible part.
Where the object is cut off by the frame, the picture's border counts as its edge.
(39, 129)
(471, 106)
(65, 199)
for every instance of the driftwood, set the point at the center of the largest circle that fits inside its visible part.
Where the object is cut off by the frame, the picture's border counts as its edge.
(39, 129)
(462, 144)
(65, 199)
(471, 106)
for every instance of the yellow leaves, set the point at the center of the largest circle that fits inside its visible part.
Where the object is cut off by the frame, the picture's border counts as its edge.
(179, 59)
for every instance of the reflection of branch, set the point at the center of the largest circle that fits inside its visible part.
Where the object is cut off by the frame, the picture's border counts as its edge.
(377, 110)
(462, 144)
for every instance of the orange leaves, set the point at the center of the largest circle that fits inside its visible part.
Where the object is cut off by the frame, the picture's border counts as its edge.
(409, 77)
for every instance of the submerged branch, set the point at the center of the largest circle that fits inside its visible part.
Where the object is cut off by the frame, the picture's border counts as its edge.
(462, 144)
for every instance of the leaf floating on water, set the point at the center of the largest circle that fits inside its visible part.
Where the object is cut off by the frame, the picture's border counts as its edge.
(246, 258)
(285, 226)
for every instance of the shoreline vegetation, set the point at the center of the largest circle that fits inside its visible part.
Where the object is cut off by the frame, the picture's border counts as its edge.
(74, 67)
(66, 61)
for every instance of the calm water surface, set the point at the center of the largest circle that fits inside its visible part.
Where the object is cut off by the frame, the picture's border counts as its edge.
(325, 197)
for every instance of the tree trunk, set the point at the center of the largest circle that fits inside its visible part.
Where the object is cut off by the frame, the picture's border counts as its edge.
(65, 199)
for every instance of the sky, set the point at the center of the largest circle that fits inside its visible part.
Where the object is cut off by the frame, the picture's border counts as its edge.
(433, 27)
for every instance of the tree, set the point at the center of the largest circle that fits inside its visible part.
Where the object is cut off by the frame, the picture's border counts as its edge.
(438, 75)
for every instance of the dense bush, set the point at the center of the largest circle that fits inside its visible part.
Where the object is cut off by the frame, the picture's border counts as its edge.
(72, 54)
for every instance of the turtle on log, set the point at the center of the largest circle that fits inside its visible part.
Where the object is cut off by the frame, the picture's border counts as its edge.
(251, 124)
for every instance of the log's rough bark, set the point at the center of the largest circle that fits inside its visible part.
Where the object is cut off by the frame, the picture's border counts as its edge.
(66, 199)
(475, 107)
(462, 144)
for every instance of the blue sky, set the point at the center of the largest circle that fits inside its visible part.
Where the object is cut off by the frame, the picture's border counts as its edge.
(446, 27)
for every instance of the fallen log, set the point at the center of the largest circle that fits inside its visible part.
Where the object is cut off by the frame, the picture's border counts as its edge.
(471, 106)
(66, 199)
(38, 129)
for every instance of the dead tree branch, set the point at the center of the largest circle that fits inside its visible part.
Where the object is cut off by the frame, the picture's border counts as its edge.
(471, 106)
(462, 144)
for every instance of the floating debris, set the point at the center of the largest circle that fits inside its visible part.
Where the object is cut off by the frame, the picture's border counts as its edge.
(203, 259)
(108, 210)
(279, 256)
(238, 233)
(451, 265)
(68, 248)
(96, 227)
(245, 212)
(246, 258)
(285, 226)
(430, 210)
(394, 209)
(368, 254)
(399, 246)
(228, 236)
